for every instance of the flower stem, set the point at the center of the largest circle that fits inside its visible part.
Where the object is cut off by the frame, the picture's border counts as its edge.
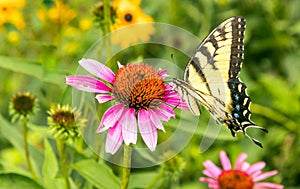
(61, 145)
(25, 129)
(106, 26)
(126, 167)
(106, 11)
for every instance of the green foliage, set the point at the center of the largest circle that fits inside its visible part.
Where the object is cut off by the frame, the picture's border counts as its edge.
(50, 168)
(15, 181)
(98, 174)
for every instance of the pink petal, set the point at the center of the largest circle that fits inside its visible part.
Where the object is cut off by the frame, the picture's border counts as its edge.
(129, 126)
(156, 121)
(204, 179)
(209, 173)
(175, 100)
(104, 98)
(265, 175)
(256, 167)
(213, 170)
(161, 115)
(170, 87)
(110, 117)
(172, 100)
(240, 161)
(211, 182)
(163, 73)
(98, 69)
(214, 185)
(167, 111)
(88, 84)
(225, 161)
(245, 166)
(147, 129)
(266, 185)
(114, 139)
(256, 174)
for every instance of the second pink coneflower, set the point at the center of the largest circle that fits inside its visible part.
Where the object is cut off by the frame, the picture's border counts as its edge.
(243, 176)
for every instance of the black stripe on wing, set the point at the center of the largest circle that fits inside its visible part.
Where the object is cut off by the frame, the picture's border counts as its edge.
(240, 113)
(237, 46)
(188, 94)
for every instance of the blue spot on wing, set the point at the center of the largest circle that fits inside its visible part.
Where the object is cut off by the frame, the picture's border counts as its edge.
(238, 107)
(236, 115)
(236, 97)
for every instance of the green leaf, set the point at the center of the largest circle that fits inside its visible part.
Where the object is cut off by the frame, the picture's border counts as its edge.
(22, 66)
(32, 68)
(41, 129)
(98, 174)
(137, 180)
(16, 181)
(54, 77)
(193, 185)
(50, 167)
(14, 135)
(48, 3)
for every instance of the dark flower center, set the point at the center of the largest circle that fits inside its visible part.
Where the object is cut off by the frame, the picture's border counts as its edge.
(138, 86)
(128, 17)
(64, 118)
(235, 179)
(23, 104)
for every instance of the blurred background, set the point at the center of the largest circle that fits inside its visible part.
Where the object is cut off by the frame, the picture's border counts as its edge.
(42, 41)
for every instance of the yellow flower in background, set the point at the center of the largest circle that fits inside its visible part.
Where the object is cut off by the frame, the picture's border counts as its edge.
(17, 20)
(10, 13)
(85, 24)
(129, 13)
(13, 37)
(59, 14)
(12, 3)
(71, 47)
(132, 2)
(132, 34)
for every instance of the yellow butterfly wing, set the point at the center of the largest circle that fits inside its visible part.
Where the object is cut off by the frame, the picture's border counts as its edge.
(211, 78)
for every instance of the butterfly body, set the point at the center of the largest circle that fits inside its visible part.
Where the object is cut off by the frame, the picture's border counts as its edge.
(211, 78)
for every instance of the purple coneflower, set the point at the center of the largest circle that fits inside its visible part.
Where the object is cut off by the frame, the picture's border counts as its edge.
(243, 176)
(143, 100)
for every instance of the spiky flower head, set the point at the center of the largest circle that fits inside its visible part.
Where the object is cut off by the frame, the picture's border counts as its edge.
(22, 105)
(64, 121)
(173, 167)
